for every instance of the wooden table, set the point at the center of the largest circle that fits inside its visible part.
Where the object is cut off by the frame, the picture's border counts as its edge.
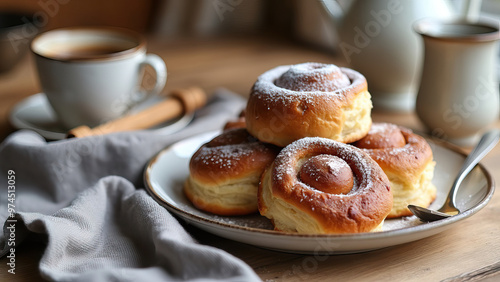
(469, 249)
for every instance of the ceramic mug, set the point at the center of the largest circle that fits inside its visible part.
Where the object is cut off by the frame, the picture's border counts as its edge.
(458, 95)
(91, 75)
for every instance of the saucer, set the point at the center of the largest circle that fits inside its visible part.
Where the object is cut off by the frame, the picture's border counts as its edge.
(35, 113)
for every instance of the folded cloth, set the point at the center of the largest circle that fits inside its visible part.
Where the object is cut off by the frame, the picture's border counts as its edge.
(82, 194)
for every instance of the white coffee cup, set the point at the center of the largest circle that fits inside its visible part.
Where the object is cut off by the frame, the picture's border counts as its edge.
(91, 75)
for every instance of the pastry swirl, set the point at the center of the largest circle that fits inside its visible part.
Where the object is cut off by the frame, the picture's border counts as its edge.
(407, 160)
(225, 172)
(309, 100)
(317, 185)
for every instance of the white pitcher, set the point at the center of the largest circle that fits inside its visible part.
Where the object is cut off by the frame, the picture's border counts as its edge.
(458, 96)
(377, 39)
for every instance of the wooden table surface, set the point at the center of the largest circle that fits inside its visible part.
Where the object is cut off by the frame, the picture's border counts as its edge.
(468, 250)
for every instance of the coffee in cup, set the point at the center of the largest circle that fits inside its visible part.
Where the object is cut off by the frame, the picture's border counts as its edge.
(91, 75)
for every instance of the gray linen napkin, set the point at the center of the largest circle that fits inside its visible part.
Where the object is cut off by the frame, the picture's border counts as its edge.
(81, 194)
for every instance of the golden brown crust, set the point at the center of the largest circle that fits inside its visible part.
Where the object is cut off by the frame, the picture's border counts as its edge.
(240, 122)
(224, 173)
(327, 173)
(409, 166)
(381, 136)
(308, 100)
(407, 161)
(231, 155)
(292, 204)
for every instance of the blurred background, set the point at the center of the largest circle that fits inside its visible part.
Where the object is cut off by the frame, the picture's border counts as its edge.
(299, 20)
(165, 18)
(181, 27)
(173, 19)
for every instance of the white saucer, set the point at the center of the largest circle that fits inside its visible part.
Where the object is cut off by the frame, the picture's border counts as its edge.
(35, 113)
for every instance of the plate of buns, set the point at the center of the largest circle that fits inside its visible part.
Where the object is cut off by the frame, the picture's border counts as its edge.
(304, 169)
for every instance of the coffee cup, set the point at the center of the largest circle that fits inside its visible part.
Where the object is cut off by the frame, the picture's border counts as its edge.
(91, 75)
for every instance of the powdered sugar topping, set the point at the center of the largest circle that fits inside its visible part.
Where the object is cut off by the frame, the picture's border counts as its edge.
(380, 127)
(268, 84)
(313, 77)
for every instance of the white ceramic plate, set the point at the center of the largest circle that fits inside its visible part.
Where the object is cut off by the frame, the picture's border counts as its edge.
(35, 113)
(165, 174)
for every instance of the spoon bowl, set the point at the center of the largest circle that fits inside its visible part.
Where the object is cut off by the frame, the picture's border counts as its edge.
(449, 208)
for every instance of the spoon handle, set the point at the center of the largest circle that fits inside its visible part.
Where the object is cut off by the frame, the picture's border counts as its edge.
(487, 142)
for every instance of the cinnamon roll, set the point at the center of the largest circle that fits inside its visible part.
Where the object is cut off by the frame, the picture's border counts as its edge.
(309, 100)
(317, 185)
(407, 160)
(225, 172)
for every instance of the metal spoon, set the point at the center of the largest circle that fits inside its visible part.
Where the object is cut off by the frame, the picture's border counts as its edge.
(487, 142)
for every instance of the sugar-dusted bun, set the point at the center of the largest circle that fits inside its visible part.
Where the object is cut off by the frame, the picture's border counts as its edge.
(382, 135)
(288, 103)
(225, 172)
(320, 186)
(407, 160)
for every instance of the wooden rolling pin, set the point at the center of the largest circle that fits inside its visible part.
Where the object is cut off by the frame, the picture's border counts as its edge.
(181, 101)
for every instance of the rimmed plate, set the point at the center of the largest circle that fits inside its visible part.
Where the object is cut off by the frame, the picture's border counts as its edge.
(35, 113)
(166, 172)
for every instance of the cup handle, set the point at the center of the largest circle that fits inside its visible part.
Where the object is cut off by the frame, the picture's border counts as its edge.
(158, 65)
